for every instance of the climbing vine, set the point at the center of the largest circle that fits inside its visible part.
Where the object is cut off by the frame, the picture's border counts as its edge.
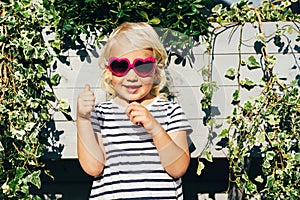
(263, 132)
(27, 100)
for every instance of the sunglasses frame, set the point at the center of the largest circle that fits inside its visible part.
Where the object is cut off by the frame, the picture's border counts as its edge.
(132, 65)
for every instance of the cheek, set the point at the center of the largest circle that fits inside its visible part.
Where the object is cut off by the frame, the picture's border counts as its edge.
(116, 81)
(149, 81)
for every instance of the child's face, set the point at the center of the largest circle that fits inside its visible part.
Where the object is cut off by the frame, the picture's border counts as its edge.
(132, 87)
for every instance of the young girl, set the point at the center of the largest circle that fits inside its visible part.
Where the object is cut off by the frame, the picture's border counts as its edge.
(135, 144)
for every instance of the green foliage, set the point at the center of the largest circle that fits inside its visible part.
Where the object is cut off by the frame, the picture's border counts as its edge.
(266, 127)
(242, 12)
(96, 19)
(87, 16)
(26, 96)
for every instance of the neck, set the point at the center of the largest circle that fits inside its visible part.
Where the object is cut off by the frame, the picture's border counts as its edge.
(144, 101)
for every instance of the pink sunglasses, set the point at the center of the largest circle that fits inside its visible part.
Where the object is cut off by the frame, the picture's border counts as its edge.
(143, 67)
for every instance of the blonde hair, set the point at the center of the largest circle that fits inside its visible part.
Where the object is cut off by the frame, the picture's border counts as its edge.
(140, 35)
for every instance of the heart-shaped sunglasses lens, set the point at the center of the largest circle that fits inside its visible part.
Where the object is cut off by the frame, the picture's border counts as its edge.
(142, 67)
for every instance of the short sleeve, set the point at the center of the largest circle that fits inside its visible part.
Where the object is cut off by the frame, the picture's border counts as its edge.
(177, 119)
(96, 119)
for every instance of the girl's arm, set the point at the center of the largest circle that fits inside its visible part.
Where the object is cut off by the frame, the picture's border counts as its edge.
(89, 145)
(172, 148)
(89, 148)
(173, 151)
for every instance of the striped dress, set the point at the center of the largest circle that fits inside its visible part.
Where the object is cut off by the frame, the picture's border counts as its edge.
(133, 169)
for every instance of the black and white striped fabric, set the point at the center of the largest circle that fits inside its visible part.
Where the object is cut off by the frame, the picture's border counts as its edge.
(133, 169)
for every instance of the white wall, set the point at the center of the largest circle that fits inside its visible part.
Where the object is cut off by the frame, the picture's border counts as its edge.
(186, 80)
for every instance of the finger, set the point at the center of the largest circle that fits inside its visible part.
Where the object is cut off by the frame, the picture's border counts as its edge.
(133, 106)
(137, 116)
(128, 111)
(137, 120)
(87, 87)
(87, 103)
(87, 97)
(134, 103)
(132, 110)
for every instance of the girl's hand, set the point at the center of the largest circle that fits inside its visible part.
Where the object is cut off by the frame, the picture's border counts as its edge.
(140, 115)
(85, 103)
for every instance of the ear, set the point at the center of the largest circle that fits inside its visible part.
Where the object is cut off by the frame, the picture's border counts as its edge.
(156, 76)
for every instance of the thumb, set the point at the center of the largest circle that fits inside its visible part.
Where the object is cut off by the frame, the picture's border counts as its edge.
(87, 87)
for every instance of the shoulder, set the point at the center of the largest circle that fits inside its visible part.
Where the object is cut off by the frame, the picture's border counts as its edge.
(169, 107)
(104, 105)
(102, 108)
(176, 118)
(167, 104)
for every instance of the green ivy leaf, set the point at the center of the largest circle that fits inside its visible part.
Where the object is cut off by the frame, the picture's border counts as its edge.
(252, 63)
(271, 61)
(68, 27)
(143, 14)
(260, 138)
(270, 155)
(270, 180)
(55, 79)
(208, 156)
(205, 71)
(154, 21)
(34, 178)
(208, 88)
(248, 106)
(200, 168)
(243, 62)
(63, 105)
(26, 2)
(259, 179)
(273, 120)
(250, 14)
(250, 187)
(45, 116)
(247, 83)
(18, 134)
(2, 39)
(20, 172)
(236, 96)
(260, 37)
(56, 44)
(217, 9)
(224, 133)
(230, 73)
(29, 126)
(84, 30)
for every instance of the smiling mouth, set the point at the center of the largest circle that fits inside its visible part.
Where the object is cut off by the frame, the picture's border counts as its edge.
(132, 86)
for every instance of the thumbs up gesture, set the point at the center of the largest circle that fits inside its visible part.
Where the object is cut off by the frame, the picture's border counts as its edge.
(85, 103)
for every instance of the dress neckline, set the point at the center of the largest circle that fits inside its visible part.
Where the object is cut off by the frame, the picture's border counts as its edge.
(123, 107)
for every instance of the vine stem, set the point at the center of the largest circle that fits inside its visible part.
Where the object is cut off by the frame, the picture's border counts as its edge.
(19, 152)
(3, 65)
(264, 49)
(240, 60)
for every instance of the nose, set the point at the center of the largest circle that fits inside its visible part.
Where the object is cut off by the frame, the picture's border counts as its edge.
(131, 76)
